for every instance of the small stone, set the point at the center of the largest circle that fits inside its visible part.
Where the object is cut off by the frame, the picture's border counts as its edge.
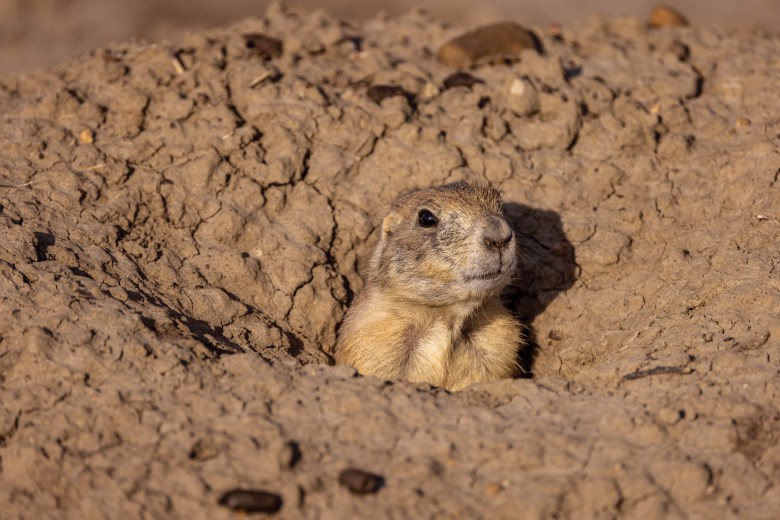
(522, 98)
(263, 45)
(203, 449)
(360, 482)
(743, 122)
(378, 93)
(87, 136)
(251, 501)
(518, 87)
(461, 79)
(665, 16)
(429, 91)
(503, 39)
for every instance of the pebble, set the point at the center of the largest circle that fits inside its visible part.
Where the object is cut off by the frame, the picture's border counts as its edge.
(522, 96)
(665, 16)
(360, 482)
(378, 93)
(263, 45)
(86, 136)
(429, 91)
(251, 501)
(204, 449)
(461, 79)
(495, 40)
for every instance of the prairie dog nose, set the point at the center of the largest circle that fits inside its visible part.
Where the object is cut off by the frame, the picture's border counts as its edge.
(496, 233)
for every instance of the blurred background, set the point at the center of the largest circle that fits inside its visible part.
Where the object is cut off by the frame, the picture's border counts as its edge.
(40, 33)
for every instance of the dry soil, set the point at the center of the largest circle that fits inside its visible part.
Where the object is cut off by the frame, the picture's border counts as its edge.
(183, 226)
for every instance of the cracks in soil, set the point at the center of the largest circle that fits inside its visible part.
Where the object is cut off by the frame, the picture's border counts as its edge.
(144, 225)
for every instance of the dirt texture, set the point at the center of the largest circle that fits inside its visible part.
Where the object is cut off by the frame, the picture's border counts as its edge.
(182, 228)
(41, 33)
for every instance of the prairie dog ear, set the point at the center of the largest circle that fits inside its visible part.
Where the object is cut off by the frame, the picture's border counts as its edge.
(389, 224)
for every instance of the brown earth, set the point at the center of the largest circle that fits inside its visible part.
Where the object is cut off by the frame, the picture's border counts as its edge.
(181, 230)
(41, 33)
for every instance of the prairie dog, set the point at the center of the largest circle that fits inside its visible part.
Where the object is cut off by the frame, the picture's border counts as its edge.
(430, 310)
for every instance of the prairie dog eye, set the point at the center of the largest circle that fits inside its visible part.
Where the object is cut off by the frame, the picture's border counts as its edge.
(426, 219)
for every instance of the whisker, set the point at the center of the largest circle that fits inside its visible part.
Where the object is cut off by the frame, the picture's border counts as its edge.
(533, 262)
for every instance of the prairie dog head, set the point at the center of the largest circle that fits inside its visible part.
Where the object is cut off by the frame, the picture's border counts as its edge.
(445, 245)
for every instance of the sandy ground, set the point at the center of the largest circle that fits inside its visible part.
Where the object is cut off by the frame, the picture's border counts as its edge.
(42, 33)
(182, 228)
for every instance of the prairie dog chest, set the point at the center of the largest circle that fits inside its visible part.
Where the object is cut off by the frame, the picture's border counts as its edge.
(429, 352)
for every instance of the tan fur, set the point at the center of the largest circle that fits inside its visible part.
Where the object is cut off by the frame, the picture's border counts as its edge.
(430, 310)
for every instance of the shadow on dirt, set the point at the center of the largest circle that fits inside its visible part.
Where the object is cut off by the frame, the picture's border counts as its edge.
(546, 267)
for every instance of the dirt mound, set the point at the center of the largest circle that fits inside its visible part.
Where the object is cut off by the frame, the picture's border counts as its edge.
(182, 227)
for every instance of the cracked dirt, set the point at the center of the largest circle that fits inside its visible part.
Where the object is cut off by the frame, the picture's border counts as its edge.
(183, 226)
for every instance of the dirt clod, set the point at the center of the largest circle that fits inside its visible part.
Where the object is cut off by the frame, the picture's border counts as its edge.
(251, 501)
(461, 79)
(378, 93)
(503, 39)
(665, 16)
